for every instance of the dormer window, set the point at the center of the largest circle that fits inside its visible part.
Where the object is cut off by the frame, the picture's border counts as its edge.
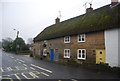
(81, 38)
(67, 39)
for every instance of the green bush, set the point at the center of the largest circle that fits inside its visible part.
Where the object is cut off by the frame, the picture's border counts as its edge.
(116, 70)
(104, 64)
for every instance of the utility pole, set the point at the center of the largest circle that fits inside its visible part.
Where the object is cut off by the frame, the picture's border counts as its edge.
(17, 46)
(17, 33)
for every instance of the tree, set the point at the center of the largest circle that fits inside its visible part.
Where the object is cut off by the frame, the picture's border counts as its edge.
(7, 44)
(18, 44)
(9, 39)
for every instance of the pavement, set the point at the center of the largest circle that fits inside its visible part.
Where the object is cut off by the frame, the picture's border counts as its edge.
(17, 67)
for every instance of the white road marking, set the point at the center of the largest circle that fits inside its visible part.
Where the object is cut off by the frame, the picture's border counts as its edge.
(1, 69)
(7, 69)
(59, 80)
(11, 56)
(33, 75)
(41, 68)
(22, 68)
(17, 67)
(73, 80)
(24, 64)
(7, 77)
(20, 60)
(17, 59)
(25, 76)
(32, 68)
(44, 74)
(10, 68)
(17, 77)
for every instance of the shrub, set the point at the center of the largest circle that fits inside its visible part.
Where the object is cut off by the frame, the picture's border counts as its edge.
(104, 64)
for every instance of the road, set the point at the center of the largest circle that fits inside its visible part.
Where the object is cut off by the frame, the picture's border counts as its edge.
(23, 67)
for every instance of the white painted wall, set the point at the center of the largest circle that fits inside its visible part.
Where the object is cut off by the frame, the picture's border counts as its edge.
(119, 47)
(111, 46)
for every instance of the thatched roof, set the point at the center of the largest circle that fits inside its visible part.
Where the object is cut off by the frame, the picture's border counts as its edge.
(97, 20)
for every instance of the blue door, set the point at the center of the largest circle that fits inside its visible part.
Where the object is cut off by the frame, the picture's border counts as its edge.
(51, 54)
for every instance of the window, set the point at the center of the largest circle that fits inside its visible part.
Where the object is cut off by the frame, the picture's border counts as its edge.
(66, 53)
(81, 54)
(81, 38)
(67, 39)
(44, 52)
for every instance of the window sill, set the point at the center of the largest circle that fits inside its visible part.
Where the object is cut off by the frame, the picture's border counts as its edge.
(81, 58)
(81, 41)
(66, 57)
(66, 42)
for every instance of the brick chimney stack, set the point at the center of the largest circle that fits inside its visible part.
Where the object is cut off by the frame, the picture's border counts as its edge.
(114, 2)
(57, 20)
(89, 9)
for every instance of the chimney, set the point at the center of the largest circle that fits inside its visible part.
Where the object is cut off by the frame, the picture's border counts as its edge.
(114, 2)
(57, 20)
(89, 9)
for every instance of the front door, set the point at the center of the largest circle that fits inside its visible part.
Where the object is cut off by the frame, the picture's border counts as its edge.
(51, 54)
(56, 55)
(100, 56)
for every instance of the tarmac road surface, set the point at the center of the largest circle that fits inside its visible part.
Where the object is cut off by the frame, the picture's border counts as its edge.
(18, 67)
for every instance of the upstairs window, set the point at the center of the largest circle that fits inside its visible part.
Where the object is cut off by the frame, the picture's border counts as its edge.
(81, 38)
(81, 54)
(66, 53)
(67, 39)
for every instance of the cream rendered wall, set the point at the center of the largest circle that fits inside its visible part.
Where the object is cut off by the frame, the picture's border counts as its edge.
(111, 46)
(119, 47)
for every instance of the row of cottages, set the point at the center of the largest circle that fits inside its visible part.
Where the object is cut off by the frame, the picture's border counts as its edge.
(88, 38)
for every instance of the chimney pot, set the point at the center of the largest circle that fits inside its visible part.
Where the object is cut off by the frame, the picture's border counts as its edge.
(57, 20)
(114, 2)
(89, 9)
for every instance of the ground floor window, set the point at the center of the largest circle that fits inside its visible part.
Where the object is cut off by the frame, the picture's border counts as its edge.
(81, 54)
(66, 53)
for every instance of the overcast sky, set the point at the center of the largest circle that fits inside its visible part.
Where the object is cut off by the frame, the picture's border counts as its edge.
(31, 17)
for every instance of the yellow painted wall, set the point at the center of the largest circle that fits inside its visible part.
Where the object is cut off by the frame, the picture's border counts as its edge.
(100, 56)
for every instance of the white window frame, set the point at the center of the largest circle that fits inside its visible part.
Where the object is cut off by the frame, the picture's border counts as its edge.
(81, 54)
(66, 55)
(44, 54)
(67, 39)
(81, 36)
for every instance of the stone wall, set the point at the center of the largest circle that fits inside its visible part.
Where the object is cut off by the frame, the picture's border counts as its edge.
(93, 41)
